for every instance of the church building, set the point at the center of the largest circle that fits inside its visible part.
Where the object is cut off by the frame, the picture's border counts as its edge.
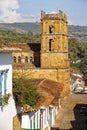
(49, 58)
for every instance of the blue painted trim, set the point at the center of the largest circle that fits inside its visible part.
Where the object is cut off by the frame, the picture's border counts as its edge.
(3, 76)
(5, 82)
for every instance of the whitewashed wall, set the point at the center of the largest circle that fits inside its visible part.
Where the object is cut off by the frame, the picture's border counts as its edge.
(43, 119)
(33, 117)
(7, 112)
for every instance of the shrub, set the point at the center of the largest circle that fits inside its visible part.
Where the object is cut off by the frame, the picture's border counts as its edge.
(5, 99)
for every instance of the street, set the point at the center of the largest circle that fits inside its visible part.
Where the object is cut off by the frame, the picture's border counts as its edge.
(69, 117)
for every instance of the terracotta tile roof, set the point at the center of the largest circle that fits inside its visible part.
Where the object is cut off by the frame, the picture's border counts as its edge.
(25, 47)
(53, 88)
(49, 90)
(7, 49)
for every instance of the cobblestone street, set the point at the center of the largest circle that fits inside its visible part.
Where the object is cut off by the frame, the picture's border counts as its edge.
(69, 117)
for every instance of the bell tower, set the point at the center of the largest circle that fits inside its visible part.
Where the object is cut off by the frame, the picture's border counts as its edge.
(54, 40)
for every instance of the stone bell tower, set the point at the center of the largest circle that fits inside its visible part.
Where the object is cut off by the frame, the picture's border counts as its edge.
(54, 40)
(54, 44)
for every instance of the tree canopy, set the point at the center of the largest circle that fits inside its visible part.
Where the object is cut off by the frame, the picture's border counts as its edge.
(15, 37)
(83, 68)
(24, 92)
(76, 48)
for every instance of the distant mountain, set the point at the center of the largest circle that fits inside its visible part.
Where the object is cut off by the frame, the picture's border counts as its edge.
(79, 32)
(21, 27)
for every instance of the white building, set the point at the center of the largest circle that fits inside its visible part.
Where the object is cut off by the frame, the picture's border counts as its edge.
(7, 111)
(76, 82)
(41, 119)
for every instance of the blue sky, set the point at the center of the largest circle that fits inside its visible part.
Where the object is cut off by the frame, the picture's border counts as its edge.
(29, 10)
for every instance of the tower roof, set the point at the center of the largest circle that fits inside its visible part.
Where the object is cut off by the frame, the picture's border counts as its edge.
(52, 16)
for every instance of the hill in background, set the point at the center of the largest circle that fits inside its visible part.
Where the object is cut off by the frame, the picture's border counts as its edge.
(21, 27)
(79, 32)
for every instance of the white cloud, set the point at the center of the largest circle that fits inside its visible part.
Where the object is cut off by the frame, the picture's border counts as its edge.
(8, 10)
(29, 18)
(8, 13)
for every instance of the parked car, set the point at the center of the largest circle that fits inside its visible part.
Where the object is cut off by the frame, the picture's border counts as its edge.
(83, 110)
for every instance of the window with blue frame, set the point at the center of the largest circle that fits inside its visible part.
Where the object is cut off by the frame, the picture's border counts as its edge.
(3, 83)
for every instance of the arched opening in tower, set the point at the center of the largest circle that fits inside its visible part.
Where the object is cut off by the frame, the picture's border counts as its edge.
(50, 44)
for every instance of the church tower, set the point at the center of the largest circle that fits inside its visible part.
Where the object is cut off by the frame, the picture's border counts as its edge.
(54, 40)
(54, 45)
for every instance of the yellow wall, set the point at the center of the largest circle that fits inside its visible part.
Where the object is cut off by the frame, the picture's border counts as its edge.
(57, 60)
(61, 75)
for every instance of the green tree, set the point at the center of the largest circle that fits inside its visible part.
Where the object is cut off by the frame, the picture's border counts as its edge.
(76, 48)
(15, 37)
(73, 50)
(24, 92)
(83, 68)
